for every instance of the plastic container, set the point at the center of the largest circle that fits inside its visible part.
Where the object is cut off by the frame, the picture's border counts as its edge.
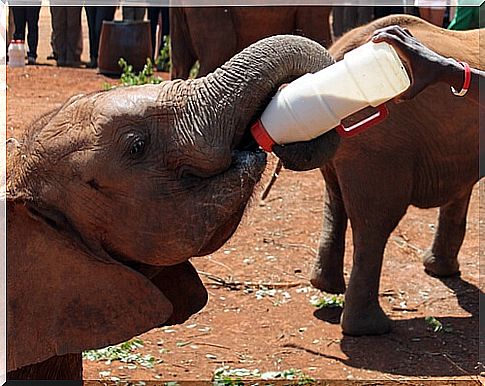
(369, 75)
(130, 40)
(16, 53)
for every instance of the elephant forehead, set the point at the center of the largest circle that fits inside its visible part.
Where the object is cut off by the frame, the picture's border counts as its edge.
(135, 101)
(125, 102)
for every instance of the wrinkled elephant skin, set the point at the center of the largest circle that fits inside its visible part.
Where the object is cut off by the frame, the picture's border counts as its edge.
(110, 195)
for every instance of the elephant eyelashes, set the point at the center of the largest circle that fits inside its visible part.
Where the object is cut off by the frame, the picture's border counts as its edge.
(137, 148)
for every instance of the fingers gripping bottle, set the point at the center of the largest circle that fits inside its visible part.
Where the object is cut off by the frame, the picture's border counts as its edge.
(369, 75)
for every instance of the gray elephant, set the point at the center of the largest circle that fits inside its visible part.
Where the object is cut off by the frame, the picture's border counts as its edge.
(111, 194)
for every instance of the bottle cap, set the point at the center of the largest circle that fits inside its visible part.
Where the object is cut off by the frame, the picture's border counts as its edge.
(262, 137)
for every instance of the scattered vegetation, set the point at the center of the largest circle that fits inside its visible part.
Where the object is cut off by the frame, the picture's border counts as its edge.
(328, 301)
(433, 323)
(163, 61)
(130, 78)
(436, 326)
(124, 352)
(145, 76)
(225, 376)
(194, 71)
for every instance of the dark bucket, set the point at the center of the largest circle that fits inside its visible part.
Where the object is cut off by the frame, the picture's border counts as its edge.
(130, 40)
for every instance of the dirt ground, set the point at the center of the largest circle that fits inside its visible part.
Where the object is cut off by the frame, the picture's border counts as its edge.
(274, 326)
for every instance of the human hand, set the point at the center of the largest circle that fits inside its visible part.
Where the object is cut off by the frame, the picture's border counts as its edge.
(425, 66)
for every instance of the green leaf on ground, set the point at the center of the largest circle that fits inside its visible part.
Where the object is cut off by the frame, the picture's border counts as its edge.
(123, 352)
(328, 301)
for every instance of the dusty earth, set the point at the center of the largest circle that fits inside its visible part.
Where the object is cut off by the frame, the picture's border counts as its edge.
(269, 323)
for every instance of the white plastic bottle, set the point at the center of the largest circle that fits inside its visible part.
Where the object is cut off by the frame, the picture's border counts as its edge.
(369, 75)
(16, 53)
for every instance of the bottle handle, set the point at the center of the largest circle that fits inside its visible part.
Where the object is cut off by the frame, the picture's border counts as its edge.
(359, 127)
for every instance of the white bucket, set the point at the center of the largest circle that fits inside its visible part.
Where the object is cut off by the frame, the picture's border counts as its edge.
(16, 53)
(369, 75)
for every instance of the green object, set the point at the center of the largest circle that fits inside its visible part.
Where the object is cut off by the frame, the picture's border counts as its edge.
(468, 17)
(146, 76)
(328, 301)
(123, 352)
(433, 323)
(163, 62)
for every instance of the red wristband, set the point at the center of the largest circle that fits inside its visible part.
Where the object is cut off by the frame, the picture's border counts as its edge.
(466, 82)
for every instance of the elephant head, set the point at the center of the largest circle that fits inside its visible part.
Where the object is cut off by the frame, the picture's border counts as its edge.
(110, 195)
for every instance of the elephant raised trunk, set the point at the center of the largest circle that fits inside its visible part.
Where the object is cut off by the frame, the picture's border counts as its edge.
(247, 82)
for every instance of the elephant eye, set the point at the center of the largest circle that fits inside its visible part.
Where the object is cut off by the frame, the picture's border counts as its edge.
(137, 148)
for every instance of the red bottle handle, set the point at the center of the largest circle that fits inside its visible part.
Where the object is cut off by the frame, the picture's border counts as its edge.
(359, 127)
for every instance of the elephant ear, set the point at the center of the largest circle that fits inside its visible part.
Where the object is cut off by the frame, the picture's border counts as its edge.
(63, 299)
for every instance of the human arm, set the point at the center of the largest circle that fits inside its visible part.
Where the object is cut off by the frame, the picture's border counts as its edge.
(427, 67)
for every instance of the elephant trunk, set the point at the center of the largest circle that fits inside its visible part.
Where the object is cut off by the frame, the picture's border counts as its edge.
(243, 86)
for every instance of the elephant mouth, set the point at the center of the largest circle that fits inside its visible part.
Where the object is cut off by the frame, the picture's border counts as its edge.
(249, 162)
(247, 142)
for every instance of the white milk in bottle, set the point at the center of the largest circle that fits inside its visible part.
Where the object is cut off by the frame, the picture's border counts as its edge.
(369, 75)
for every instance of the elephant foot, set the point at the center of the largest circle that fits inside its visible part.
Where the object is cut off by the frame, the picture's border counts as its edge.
(369, 321)
(332, 283)
(439, 266)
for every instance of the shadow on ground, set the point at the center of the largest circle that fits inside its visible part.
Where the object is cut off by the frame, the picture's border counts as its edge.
(451, 352)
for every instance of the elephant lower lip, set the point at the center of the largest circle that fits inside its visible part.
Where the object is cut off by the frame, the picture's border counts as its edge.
(249, 166)
(222, 235)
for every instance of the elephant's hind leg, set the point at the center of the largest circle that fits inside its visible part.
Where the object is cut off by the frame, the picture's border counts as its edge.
(442, 259)
(328, 271)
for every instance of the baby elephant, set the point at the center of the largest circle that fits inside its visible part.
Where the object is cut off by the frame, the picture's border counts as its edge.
(425, 154)
(110, 195)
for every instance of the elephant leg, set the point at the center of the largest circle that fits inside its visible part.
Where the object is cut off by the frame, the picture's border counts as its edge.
(314, 23)
(182, 63)
(213, 36)
(442, 259)
(362, 313)
(182, 52)
(210, 63)
(328, 271)
(63, 367)
(375, 203)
